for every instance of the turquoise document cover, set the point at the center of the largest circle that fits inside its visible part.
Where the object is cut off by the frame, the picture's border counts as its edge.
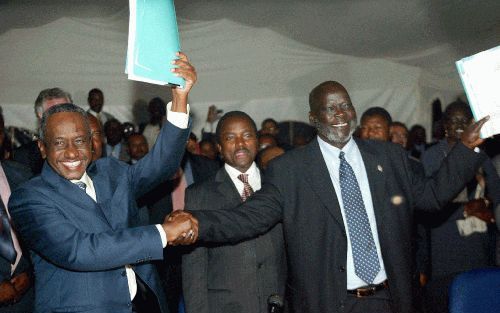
(153, 41)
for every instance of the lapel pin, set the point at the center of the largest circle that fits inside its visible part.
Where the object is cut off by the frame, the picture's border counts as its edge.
(379, 168)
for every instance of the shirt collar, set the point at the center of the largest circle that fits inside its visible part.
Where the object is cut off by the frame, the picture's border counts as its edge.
(348, 149)
(233, 173)
(85, 179)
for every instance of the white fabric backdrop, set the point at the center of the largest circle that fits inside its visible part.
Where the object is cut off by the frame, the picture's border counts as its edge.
(240, 67)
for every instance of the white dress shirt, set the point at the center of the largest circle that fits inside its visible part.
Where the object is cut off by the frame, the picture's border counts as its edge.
(353, 157)
(253, 177)
(178, 119)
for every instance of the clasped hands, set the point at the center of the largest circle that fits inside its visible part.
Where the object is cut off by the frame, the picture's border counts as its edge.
(181, 228)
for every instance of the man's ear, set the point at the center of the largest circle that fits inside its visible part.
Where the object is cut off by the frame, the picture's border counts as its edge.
(219, 148)
(312, 118)
(41, 146)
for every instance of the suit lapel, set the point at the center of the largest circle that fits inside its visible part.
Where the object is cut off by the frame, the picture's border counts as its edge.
(102, 188)
(226, 186)
(376, 179)
(317, 176)
(75, 197)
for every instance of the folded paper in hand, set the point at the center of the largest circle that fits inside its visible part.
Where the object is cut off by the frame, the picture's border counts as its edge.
(480, 76)
(153, 42)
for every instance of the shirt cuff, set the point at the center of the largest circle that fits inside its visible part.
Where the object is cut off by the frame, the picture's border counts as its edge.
(163, 235)
(178, 119)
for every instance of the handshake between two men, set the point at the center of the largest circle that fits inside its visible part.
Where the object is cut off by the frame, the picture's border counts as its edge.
(181, 228)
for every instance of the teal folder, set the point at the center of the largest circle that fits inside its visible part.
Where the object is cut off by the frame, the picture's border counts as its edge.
(153, 42)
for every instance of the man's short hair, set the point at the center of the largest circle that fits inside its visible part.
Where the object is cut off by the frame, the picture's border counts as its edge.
(48, 94)
(267, 120)
(377, 111)
(94, 90)
(457, 105)
(232, 114)
(400, 124)
(65, 107)
(316, 95)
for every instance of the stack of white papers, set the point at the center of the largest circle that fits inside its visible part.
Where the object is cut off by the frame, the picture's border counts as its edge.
(153, 41)
(480, 76)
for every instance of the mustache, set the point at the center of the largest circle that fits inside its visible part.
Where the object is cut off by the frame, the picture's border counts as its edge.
(242, 150)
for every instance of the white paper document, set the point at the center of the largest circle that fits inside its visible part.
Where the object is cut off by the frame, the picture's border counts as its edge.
(153, 41)
(480, 76)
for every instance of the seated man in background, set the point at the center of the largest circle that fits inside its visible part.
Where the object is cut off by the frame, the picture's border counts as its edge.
(239, 277)
(76, 220)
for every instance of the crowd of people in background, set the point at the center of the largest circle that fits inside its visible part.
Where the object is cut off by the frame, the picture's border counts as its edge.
(462, 237)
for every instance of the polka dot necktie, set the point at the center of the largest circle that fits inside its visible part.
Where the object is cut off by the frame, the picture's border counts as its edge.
(81, 185)
(364, 251)
(247, 189)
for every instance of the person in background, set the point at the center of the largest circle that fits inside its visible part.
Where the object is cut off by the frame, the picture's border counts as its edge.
(460, 235)
(16, 273)
(97, 137)
(266, 141)
(270, 127)
(208, 149)
(239, 277)
(398, 133)
(128, 129)
(267, 155)
(375, 123)
(417, 142)
(115, 146)
(95, 100)
(29, 154)
(192, 144)
(156, 109)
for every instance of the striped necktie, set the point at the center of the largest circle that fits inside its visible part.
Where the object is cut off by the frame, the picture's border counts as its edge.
(247, 189)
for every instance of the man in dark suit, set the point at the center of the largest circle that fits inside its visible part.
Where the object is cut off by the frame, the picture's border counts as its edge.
(16, 294)
(347, 210)
(76, 219)
(239, 277)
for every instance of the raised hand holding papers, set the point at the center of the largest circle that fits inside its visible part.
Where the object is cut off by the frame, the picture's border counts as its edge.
(480, 76)
(153, 41)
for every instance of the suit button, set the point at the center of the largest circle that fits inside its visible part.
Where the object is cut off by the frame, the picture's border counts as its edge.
(124, 273)
(259, 265)
(342, 268)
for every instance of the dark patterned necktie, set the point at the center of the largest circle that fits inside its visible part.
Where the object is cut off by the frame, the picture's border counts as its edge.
(81, 185)
(247, 189)
(7, 249)
(364, 251)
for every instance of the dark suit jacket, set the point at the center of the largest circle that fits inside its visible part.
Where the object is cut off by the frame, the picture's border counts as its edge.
(17, 174)
(231, 278)
(80, 246)
(159, 199)
(29, 155)
(300, 194)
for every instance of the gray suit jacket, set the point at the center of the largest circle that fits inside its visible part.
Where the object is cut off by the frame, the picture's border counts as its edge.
(299, 193)
(231, 278)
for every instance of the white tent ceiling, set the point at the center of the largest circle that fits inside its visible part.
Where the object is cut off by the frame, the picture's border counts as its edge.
(261, 56)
